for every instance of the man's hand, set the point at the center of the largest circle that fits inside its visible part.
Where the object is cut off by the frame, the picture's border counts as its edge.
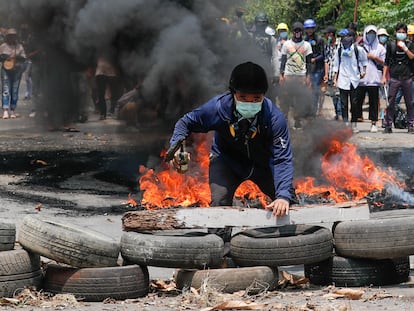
(172, 150)
(402, 45)
(280, 207)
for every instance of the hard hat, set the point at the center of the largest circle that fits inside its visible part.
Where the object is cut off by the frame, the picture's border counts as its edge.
(410, 29)
(297, 25)
(309, 23)
(248, 78)
(282, 26)
(382, 32)
(343, 32)
(329, 29)
(261, 18)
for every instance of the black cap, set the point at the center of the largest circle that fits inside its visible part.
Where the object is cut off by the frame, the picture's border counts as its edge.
(297, 25)
(248, 78)
(329, 29)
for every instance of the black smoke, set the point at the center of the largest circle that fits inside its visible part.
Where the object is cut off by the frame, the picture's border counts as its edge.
(180, 53)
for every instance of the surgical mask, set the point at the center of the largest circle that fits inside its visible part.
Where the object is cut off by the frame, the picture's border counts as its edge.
(383, 39)
(248, 109)
(370, 37)
(401, 36)
(283, 34)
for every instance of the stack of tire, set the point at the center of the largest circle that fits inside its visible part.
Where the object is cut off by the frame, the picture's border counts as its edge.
(367, 252)
(18, 268)
(88, 261)
(259, 252)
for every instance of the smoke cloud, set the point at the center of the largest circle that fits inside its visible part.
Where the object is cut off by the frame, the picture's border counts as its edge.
(179, 52)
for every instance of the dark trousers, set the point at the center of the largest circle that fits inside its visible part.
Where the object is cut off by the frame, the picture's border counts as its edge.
(373, 99)
(224, 182)
(405, 86)
(115, 87)
(352, 96)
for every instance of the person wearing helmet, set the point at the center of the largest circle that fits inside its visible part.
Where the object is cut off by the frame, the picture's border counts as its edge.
(12, 56)
(264, 39)
(251, 140)
(398, 64)
(282, 34)
(410, 32)
(317, 60)
(294, 71)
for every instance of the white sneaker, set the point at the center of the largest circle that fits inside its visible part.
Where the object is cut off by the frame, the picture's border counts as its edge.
(373, 129)
(5, 114)
(354, 128)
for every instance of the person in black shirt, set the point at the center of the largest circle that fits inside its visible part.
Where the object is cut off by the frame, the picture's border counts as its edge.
(399, 64)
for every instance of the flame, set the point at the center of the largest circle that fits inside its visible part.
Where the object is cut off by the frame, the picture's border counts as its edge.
(166, 187)
(350, 176)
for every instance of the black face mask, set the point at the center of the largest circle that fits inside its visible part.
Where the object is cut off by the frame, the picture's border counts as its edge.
(347, 42)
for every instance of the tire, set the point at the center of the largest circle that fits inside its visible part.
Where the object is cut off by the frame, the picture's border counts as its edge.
(7, 235)
(342, 271)
(97, 284)
(19, 269)
(252, 279)
(68, 243)
(375, 238)
(281, 246)
(172, 250)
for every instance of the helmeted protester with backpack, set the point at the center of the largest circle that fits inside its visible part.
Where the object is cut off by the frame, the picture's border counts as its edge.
(371, 82)
(399, 65)
(317, 66)
(350, 65)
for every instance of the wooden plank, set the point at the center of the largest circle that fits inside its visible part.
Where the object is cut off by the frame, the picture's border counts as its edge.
(220, 217)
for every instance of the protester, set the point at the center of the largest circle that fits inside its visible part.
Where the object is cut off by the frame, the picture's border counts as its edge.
(371, 82)
(12, 56)
(331, 48)
(348, 62)
(294, 75)
(398, 60)
(251, 140)
(317, 60)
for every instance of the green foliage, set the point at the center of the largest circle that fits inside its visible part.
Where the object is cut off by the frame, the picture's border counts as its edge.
(382, 13)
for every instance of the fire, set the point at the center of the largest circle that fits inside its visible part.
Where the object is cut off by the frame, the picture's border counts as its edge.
(166, 187)
(347, 173)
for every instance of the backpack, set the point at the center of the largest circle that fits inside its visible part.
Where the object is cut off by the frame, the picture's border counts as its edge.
(356, 55)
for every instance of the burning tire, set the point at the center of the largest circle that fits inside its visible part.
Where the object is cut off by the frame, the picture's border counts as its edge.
(375, 238)
(19, 269)
(342, 271)
(68, 243)
(7, 235)
(97, 284)
(281, 246)
(252, 279)
(172, 249)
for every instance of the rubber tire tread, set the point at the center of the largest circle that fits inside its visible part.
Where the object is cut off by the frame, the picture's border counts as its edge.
(173, 250)
(68, 243)
(352, 272)
(19, 269)
(375, 238)
(97, 284)
(230, 280)
(281, 246)
(7, 235)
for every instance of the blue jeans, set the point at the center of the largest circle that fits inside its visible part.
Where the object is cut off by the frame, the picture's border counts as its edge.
(316, 80)
(10, 80)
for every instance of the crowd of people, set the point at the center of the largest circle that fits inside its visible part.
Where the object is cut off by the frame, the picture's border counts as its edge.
(343, 64)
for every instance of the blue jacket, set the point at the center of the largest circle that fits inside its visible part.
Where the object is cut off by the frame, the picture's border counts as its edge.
(270, 148)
